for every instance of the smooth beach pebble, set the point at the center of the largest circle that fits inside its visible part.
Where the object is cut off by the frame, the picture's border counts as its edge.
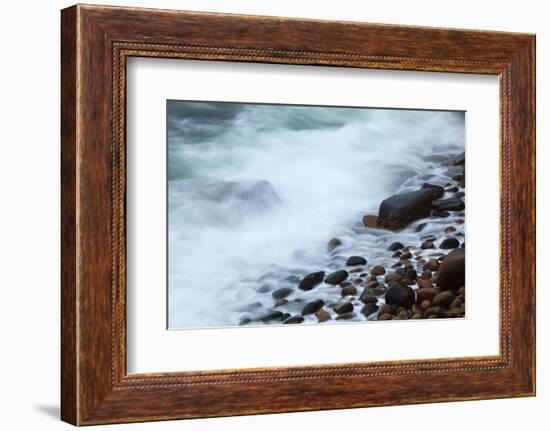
(355, 261)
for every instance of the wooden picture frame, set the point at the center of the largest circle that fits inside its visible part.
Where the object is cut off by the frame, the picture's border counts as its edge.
(95, 43)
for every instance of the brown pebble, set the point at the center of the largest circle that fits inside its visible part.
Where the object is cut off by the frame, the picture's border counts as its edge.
(387, 308)
(281, 302)
(426, 293)
(322, 315)
(371, 278)
(351, 271)
(461, 290)
(370, 221)
(417, 316)
(432, 265)
(423, 283)
(378, 270)
(426, 274)
(450, 229)
(369, 299)
(349, 291)
(459, 221)
(346, 316)
(427, 244)
(407, 255)
(417, 309)
(385, 316)
(425, 304)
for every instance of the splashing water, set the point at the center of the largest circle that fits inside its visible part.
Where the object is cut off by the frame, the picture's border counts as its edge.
(256, 191)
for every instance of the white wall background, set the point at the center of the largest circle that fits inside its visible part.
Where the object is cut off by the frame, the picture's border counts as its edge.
(29, 215)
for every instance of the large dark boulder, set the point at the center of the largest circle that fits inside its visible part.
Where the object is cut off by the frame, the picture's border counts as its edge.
(398, 211)
(451, 274)
(400, 295)
(312, 280)
(437, 191)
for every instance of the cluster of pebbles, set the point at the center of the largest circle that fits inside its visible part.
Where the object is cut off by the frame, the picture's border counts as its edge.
(422, 278)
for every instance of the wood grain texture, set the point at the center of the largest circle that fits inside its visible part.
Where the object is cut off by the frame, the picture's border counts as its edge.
(96, 41)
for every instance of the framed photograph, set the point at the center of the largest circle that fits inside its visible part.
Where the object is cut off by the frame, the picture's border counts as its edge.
(265, 214)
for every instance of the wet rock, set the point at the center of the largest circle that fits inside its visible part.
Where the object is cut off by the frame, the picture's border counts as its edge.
(346, 307)
(369, 309)
(356, 260)
(449, 204)
(367, 297)
(349, 291)
(451, 273)
(312, 280)
(393, 276)
(432, 265)
(420, 227)
(426, 293)
(450, 229)
(370, 221)
(442, 214)
(457, 302)
(322, 315)
(385, 316)
(398, 211)
(346, 316)
(293, 320)
(378, 270)
(397, 254)
(379, 291)
(449, 243)
(281, 302)
(460, 159)
(435, 312)
(426, 245)
(271, 315)
(399, 294)
(407, 255)
(424, 283)
(312, 307)
(336, 277)
(402, 314)
(425, 304)
(437, 191)
(333, 243)
(444, 298)
(245, 321)
(387, 309)
(281, 293)
(395, 246)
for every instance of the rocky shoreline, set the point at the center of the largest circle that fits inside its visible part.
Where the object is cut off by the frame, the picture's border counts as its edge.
(422, 278)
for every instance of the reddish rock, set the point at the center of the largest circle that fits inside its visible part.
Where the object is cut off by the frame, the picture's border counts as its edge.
(423, 283)
(427, 293)
(451, 273)
(378, 270)
(370, 221)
